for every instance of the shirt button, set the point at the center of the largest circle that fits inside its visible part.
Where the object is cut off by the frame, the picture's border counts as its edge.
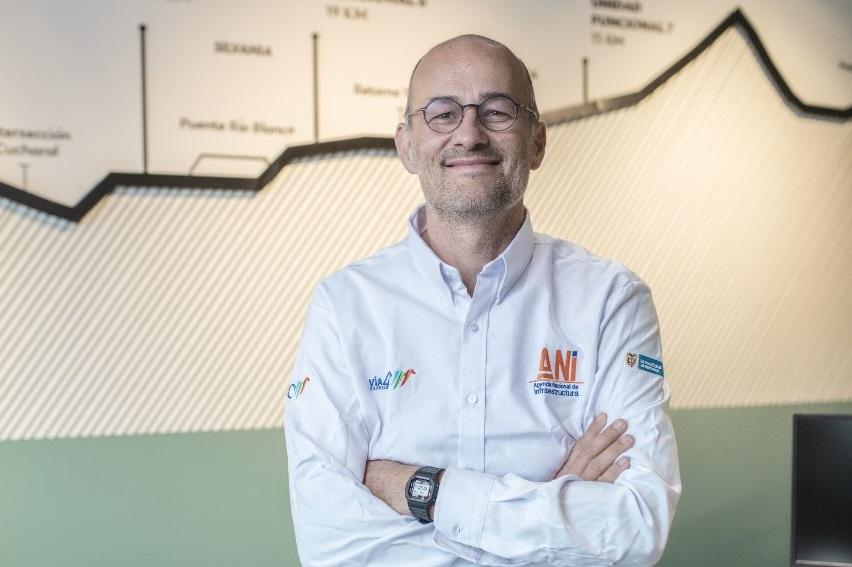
(471, 399)
(474, 327)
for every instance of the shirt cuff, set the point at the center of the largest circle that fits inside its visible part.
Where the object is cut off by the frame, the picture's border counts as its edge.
(462, 501)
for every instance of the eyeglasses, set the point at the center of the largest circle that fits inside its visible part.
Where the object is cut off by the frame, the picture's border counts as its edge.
(496, 113)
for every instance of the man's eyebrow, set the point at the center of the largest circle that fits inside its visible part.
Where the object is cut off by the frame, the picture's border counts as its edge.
(485, 95)
(491, 94)
(429, 101)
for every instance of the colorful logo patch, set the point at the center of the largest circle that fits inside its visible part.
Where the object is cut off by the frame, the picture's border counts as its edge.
(651, 365)
(646, 363)
(296, 389)
(393, 379)
(557, 376)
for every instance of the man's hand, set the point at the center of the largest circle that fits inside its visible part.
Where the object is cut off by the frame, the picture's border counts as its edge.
(594, 456)
(386, 480)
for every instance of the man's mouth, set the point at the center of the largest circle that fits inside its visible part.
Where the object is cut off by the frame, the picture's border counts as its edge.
(471, 163)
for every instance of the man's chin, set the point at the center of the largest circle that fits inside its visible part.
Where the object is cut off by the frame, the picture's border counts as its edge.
(479, 185)
(472, 209)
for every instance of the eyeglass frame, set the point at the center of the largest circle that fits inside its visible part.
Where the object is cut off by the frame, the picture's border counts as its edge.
(464, 107)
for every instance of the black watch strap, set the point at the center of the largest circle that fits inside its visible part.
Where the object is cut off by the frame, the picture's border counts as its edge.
(419, 507)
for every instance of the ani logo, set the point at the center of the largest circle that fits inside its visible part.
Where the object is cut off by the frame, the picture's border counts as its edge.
(632, 359)
(393, 379)
(557, 376)
(297, 388)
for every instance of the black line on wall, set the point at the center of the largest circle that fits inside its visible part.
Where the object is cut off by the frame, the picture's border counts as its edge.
(737, 18)
(577, 112)
(113, 180)
(315, 42)
(144, 99)
(24, 167)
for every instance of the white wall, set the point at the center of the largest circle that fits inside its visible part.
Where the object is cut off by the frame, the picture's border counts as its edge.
(179, 310)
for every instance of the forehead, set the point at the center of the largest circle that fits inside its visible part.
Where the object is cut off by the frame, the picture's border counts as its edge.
(467, 70)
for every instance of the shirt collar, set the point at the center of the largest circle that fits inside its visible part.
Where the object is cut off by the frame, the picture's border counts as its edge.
(516, 257)
(512, 262)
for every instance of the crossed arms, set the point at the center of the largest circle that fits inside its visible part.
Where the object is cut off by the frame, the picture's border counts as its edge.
(599, 509)
(594, 457)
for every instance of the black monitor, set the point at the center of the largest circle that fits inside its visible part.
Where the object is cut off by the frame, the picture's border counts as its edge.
(822, 490)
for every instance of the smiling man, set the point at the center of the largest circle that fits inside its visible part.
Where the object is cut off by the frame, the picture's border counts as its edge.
(464, 396)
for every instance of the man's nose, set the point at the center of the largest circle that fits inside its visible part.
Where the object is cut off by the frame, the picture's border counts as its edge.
(470, 132)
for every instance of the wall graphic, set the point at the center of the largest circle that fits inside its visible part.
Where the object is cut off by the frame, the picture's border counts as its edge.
(716, 166)
(175, 310)
(203, 93)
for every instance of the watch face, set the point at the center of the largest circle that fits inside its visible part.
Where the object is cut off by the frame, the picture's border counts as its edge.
(420, 489)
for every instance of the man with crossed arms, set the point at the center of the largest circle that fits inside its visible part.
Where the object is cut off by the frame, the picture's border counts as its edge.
(463, 397)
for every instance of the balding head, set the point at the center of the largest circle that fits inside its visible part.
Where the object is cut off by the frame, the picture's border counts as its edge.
(471, 45)
(473, 171)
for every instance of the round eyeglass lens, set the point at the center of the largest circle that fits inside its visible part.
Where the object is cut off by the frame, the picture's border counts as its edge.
(443, 115)
(497, 113)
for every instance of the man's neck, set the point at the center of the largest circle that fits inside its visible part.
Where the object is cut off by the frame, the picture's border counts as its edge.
(470, 244)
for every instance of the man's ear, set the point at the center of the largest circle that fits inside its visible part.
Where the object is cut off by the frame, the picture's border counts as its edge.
(540, 141)
(402, 139)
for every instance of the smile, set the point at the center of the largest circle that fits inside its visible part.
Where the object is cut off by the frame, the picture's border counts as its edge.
(471, 164)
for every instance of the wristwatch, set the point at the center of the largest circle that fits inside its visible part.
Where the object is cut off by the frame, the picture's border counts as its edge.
(421, 492)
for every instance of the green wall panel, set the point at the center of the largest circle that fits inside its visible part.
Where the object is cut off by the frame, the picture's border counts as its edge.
(204, 499)
(736, 467)
(220, 499)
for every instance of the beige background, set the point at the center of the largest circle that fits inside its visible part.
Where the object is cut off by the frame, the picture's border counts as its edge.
(179, 310)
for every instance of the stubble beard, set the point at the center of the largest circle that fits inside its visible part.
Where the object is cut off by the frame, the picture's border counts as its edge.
(458, 205)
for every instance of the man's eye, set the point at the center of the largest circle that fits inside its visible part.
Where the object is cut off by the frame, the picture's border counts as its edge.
(494, 116)
(445, 116)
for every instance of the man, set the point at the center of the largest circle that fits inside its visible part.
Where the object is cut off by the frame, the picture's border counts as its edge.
(467, 375)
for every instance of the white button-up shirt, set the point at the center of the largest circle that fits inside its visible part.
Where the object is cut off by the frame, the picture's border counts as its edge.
(398, 362)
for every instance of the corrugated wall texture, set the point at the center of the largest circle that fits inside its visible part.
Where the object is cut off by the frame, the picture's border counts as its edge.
(179, 310)
(736, 211)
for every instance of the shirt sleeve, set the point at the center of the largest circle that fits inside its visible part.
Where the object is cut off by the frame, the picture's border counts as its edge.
(508, 520)
(337, 520)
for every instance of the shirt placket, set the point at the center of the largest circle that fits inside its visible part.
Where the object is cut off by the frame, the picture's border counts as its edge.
(473, 369)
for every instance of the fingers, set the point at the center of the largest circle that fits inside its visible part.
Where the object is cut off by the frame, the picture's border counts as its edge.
(581, 453)
(601, 464)
(594, 442)
(595, 453)
(615, 469)
(596, 427)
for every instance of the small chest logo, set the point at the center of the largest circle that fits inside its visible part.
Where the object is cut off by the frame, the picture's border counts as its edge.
(646, 363)
(557, 376)
(393, 379)
(296, 389)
